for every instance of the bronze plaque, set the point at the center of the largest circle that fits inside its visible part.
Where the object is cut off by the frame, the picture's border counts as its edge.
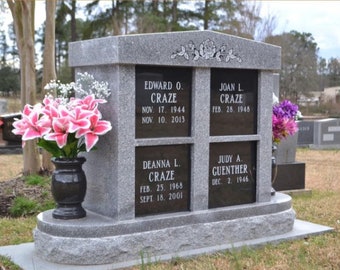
(162, 179)
(233, 102)
(232, 173)
(163, 101)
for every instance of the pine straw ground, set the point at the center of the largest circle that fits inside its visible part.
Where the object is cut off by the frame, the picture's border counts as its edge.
(317, 252)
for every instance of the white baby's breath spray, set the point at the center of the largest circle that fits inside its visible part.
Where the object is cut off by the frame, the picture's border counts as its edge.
(84, 85)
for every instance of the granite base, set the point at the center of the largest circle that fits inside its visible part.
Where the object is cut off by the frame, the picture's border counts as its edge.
(96, 239)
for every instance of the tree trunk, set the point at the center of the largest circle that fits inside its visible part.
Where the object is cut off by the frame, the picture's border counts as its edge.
(49, 72)
(206, 14)
(174, 15)
(73, 29)
(23, 18)
(116, 23)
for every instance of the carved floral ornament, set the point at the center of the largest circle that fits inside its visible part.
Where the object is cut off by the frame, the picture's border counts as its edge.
(206, 50)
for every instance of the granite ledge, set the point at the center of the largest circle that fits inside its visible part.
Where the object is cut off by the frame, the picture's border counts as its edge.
(95, 225)
(155, 243)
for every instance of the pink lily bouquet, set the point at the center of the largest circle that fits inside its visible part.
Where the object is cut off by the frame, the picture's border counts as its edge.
(283, 120)
(66, 126)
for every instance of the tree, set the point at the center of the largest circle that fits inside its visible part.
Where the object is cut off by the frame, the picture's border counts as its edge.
(241, 18)
(49, 72)
(266, 27)
(333, 68)
(250, 19)
(9, 80)
(149, 22)
(3, 41)
(298, 74)
(216, 15)
(62, 33)
(67, 29)
(252, 25)
(49, 44)
(3, 49)
(2, 10)
(110, 20)
(144, 16)
(322, 72)
(12, 46)
(23, 17)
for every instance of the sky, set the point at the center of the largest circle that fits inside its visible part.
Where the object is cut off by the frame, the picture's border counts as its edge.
(320, 18)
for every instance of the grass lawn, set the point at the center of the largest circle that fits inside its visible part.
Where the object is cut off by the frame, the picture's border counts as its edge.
(317, 252)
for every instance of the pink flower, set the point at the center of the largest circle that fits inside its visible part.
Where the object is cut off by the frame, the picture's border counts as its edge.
(282, 127)
(50, 107)
(60, 131)
(65, 127)
(97, 127)
(31, 125)
(90, 102)
(79, 119)
(283, 120)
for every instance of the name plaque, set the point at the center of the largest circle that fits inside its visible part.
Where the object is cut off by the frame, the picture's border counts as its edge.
(232, 173)
(162, 179)
(233, 102)
(163, 101)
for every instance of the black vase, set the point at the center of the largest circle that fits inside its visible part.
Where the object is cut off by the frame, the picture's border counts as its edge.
(68, 187)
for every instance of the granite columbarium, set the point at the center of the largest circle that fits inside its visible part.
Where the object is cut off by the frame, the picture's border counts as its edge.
(186, 168)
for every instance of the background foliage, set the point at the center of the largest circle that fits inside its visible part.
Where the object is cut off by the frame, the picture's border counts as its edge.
(302, 70)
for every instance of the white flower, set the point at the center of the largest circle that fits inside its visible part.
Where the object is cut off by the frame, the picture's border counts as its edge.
(85, 85)
(275, 99)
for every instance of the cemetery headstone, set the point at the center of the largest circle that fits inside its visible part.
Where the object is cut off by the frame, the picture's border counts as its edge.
(305, 133)
(187, 165)
(326, 134)
(319, 134)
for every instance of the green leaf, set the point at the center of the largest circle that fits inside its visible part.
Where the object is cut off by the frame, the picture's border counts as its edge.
(82, 148)
(70, 149)
(51, 147)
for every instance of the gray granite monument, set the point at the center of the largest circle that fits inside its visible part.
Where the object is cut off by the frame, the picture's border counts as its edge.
(319, 133)
(187, 166)
(326, 134)
(305, 133)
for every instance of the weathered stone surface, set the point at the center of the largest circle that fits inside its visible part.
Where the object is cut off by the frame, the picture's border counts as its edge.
(91, 242)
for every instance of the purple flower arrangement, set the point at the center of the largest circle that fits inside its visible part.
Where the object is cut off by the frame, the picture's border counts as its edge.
(283, 120)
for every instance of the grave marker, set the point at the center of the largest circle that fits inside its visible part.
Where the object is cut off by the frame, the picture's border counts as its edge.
(326, 133)
(159, 182)
(305, 133)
